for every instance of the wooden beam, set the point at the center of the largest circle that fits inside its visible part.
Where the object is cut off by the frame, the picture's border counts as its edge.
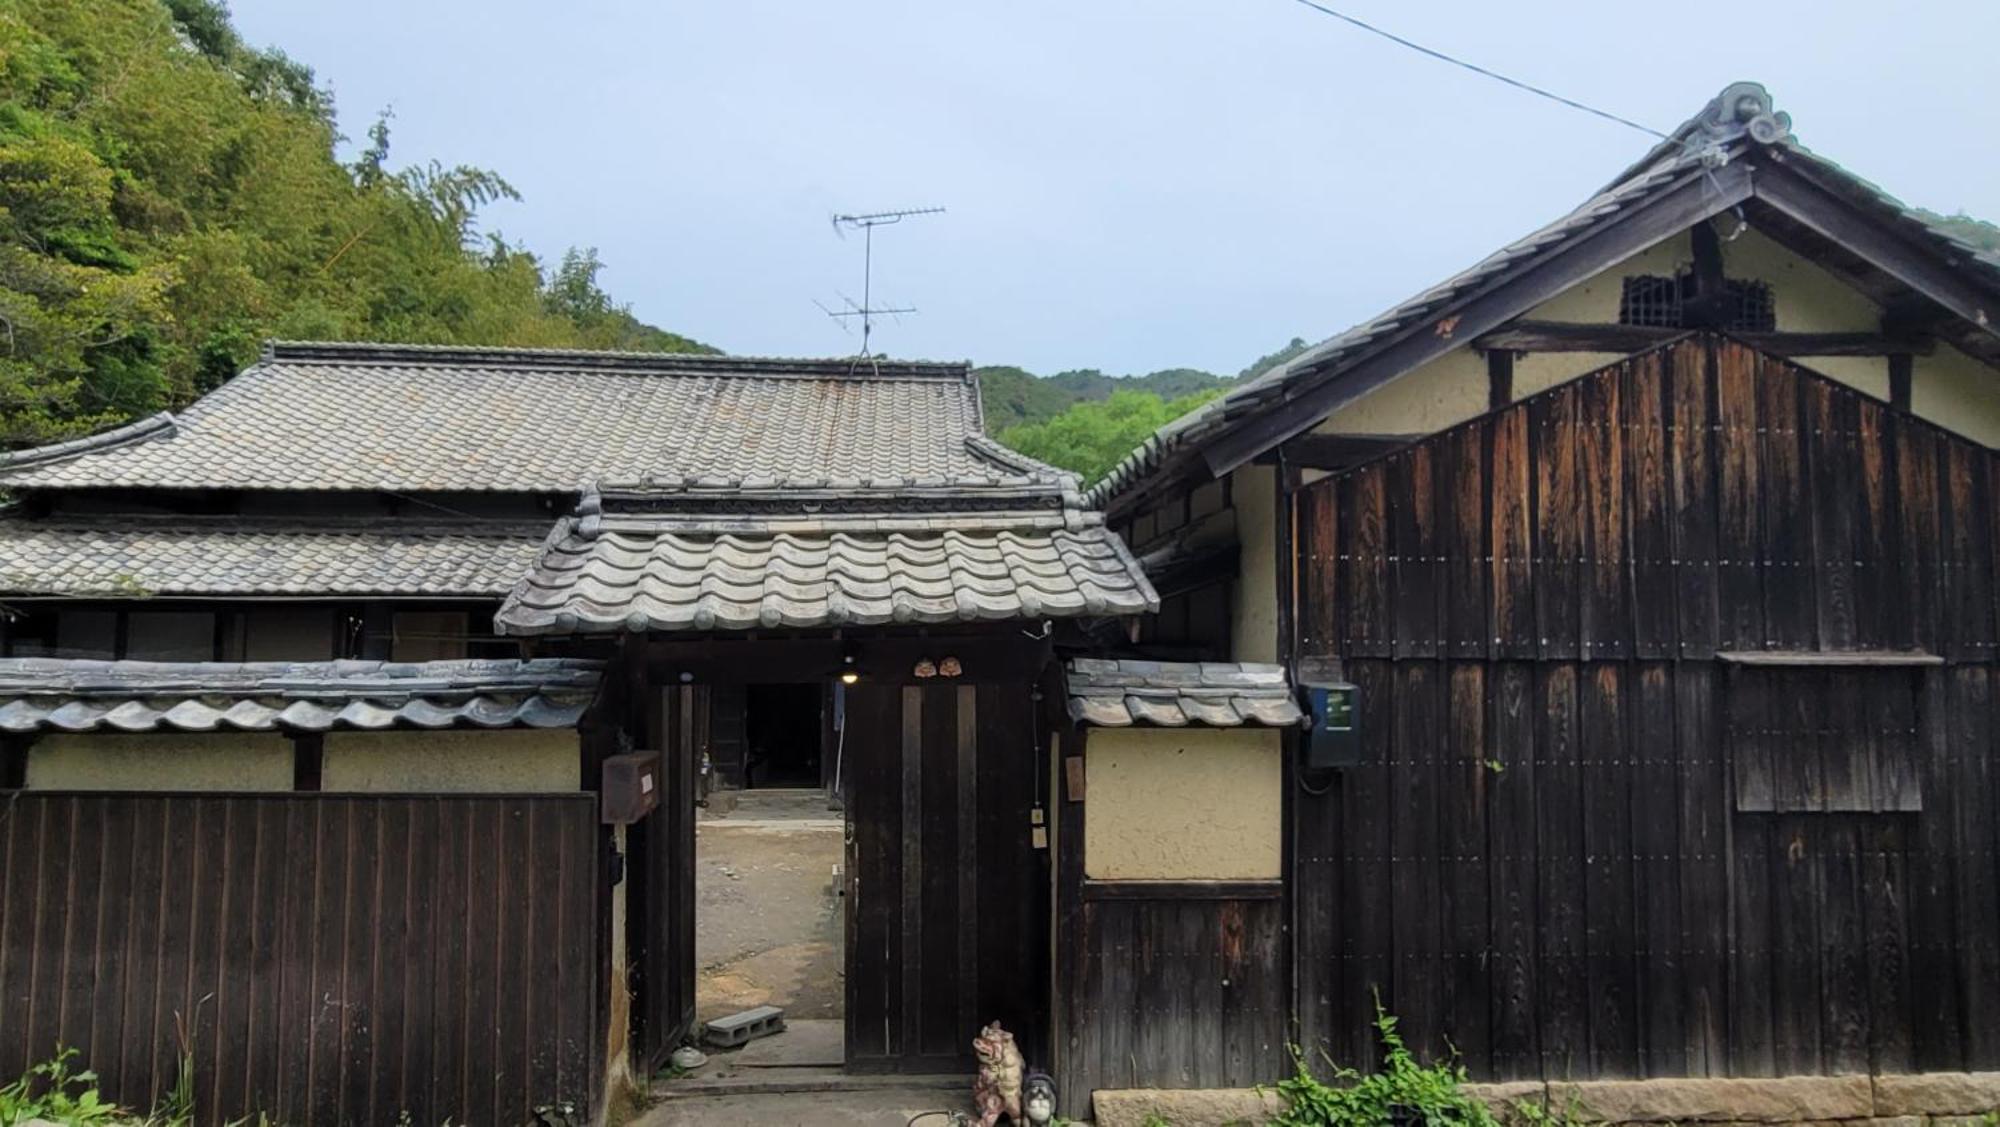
(1565, 336)
(308, 760)
(1796, 193)
(14, 762)
(1864, 659)
(1336, 451)
(1183, 889)
(1499, 378)
(1901, 368)
(1697, 196)
(1708, 306)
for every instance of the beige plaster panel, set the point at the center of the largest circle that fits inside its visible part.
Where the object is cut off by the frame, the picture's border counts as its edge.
(1182, 804)
(1957, 393)
(514, 760)
(1253, 617)
(222, 761)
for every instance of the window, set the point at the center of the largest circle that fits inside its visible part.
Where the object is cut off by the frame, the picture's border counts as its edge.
(1824, 738)
(1661, 302)
(170, 636)
(289, 634)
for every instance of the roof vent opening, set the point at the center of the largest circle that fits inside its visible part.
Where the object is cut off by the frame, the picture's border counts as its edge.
(1661, 302)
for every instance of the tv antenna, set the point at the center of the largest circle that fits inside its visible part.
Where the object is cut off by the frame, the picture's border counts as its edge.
(866, 224)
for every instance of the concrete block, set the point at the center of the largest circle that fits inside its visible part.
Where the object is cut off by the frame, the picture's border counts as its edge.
(1186, 1107)
(1937, 1093)
(1789, 1099)
(740, 1028)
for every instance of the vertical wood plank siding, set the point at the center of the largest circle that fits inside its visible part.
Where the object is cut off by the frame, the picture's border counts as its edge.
(324, 959)
(949, 899)
(1581, 845)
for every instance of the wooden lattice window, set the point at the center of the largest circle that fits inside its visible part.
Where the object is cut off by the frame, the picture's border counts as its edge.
(1660, 302)
(1832, 737)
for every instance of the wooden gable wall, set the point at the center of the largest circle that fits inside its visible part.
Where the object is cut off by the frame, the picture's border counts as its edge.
(1567, 853)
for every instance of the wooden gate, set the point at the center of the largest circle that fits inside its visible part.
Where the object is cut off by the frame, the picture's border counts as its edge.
(947, 896)
(660, 880)
(319, 958)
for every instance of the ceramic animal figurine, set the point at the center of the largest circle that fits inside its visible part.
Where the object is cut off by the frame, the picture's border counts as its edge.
(997, 1088)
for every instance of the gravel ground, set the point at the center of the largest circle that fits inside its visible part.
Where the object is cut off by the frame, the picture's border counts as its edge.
(767, 926)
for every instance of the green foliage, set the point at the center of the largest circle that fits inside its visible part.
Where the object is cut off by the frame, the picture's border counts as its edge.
(1014, 397)
(1354, 1099)
(1091, 438)
(1271, 360)
(51, 1091)
(170, 196)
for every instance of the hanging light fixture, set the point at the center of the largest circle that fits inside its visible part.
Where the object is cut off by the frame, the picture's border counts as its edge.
(849, 671)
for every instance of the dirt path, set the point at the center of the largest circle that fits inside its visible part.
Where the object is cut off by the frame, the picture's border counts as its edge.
(767, 927)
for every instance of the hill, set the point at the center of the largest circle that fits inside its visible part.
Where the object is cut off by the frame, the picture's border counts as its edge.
(1086, 421)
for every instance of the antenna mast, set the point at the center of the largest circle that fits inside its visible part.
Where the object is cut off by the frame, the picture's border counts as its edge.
(867, 309)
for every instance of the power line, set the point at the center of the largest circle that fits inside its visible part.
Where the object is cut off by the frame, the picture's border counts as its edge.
(1476, 69)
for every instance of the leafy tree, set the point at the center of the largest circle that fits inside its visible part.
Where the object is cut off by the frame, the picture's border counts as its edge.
(1090, 438)
(170, 196)
(1271, 360)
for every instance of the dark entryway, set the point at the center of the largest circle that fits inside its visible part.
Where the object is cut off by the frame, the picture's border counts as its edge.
(782, 735)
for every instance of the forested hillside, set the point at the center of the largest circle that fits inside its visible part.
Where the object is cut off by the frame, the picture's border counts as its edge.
(170, 196)
(1086, 421)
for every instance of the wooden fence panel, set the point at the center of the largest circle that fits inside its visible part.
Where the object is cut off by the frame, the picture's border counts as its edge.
(321, 958)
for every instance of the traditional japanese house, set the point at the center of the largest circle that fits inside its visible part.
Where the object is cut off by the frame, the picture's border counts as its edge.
(1645, 572)
(328, 703)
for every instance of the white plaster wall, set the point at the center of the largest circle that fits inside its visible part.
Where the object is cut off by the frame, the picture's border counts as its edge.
(1182, 804)
(509, 760)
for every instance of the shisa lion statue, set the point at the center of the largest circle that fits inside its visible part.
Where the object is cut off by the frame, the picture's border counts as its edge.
(997, 1088)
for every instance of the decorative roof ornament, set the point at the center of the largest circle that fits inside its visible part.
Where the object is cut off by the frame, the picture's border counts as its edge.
(1744, 108)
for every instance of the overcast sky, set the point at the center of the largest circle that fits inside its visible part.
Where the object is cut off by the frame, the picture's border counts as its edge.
(1131, 185)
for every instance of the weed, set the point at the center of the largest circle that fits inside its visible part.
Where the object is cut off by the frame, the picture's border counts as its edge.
(1432, 1093)
(51, 1091)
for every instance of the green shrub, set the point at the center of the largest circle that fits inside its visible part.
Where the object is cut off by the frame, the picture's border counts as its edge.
(51, 1091)
(1435, 1092)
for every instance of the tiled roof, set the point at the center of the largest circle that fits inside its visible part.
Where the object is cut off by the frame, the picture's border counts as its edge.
(400, 417)
(128, 557)
(52, 694)
(721, 572)
(1713, 138)
(1119, 694)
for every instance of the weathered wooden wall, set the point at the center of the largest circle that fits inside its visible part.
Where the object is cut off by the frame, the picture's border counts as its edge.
(332, 959)
(1182, 987)
(1563, 855)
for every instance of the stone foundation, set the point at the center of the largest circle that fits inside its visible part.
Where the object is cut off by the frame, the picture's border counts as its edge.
(1931, 1099)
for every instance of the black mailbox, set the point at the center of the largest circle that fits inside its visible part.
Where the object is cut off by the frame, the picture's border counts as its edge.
(1335, 737)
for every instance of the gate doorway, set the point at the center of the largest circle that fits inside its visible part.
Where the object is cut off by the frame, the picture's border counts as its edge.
(784, 728)
(938, 916)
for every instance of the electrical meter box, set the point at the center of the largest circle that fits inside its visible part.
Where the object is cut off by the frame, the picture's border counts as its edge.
(1335, 739)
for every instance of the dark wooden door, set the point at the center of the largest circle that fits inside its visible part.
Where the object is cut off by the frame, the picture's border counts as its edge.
(947, 896)
(660, 872)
